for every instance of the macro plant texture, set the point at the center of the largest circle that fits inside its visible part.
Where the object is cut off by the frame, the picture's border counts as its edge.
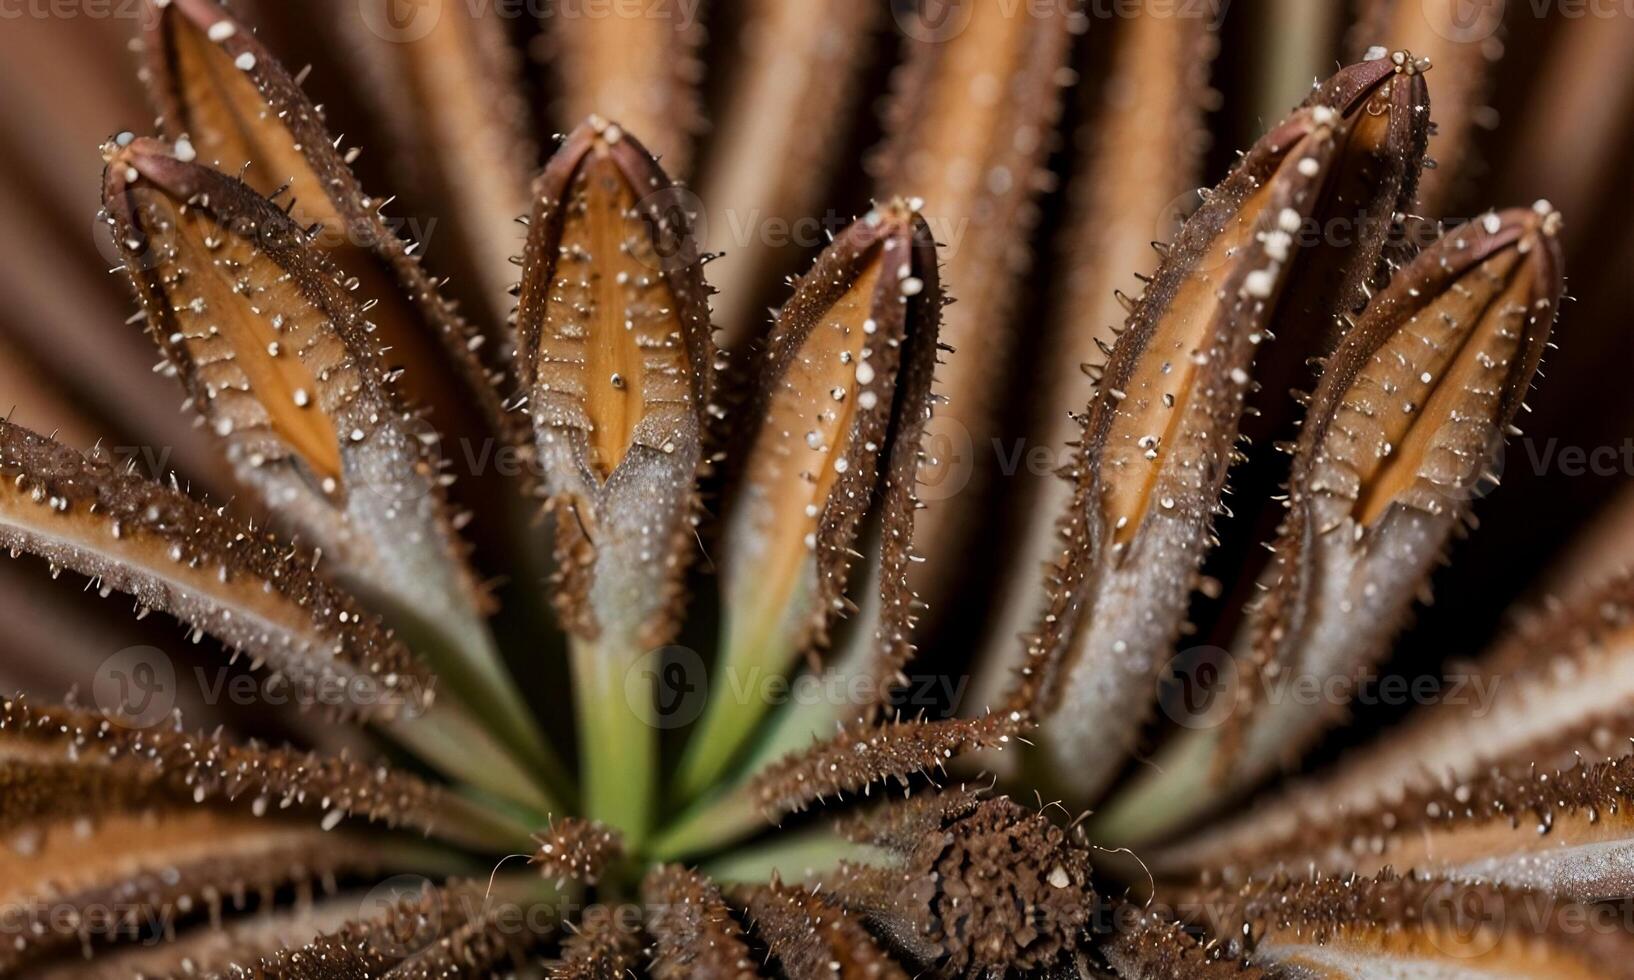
(816, 488)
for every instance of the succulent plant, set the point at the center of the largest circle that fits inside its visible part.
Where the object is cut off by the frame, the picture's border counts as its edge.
(573, 620)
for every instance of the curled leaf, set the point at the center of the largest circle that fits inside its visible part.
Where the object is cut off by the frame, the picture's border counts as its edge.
(843, 404)
(279, 359)
(1410, 414)
(1159, 436)
(227, 101)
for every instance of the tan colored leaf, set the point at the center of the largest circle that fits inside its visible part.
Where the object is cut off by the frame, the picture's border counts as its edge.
(798, 74)
(227, 101)
(970, 125)
(242, 586)
(126, 874)
(1159, 436)
(1465, 45)
(1139, 151)
(278, 357)
(1564, 831)
(636, 65)
(1410, 413)
(449, 89)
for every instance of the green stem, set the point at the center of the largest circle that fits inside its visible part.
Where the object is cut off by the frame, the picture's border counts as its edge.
(450, 741)
(753, 653)
(618, 737)
(710, 824)
(465, 657)
(794, 857)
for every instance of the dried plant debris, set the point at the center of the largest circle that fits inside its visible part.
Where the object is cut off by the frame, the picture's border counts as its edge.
(256, 594)
(617, 370)
(982, 887)
(1159, 436)
(841, 413)
(971, 121)
(694, 932)
(228, 102)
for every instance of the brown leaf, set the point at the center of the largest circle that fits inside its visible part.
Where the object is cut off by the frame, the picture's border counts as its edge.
(695, 933)
(245, 587)
(636, 65)
(811, 939)
(862, 755)
(227, 101)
